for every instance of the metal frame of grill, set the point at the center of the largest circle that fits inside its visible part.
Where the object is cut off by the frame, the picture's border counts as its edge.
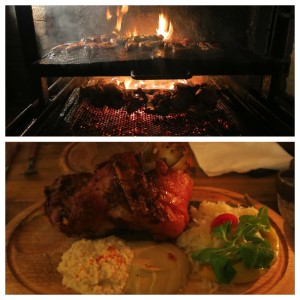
(69, 114)
(157, 64)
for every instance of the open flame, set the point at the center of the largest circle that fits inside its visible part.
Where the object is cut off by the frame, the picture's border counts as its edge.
(130, 83)
(164, 27)
(120, 12)
(108, 14)
(132, 33)
(158, 84)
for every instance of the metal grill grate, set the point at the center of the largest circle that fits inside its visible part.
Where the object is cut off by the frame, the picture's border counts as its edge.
(85, 119)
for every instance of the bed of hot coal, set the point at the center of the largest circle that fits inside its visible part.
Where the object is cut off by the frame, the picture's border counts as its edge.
(85, 119)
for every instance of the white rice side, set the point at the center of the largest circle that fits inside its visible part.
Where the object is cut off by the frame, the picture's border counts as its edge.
(198, 235)
(96, 266)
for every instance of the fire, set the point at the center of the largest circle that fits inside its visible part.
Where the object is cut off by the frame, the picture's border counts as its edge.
(130, 83)
(108, 14)
(131, 33)
(124, 9)
(164, 27)
(120, 13)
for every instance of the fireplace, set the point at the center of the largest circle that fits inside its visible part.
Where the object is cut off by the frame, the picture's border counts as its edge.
(179, 70)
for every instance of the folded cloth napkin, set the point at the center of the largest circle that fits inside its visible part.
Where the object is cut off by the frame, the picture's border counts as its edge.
(224, 157)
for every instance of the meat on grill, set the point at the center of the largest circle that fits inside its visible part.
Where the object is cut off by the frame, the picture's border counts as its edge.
(120, 195)
(144, 42)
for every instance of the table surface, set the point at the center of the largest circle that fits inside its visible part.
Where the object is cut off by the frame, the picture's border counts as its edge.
(23, 191)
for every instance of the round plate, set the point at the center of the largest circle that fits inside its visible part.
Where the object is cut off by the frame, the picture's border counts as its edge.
(34, 249)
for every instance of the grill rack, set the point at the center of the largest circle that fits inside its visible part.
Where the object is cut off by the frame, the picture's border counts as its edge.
(84, 119)
(237, 113)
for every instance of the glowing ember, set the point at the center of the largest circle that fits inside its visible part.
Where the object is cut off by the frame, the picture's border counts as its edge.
(164, 28)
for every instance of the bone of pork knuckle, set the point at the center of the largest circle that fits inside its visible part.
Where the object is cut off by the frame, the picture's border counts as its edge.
(147, 191)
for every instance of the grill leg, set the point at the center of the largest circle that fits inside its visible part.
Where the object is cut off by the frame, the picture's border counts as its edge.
(44, 99)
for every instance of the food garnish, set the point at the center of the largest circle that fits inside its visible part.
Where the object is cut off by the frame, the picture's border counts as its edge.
(223, 218)
(248, 244)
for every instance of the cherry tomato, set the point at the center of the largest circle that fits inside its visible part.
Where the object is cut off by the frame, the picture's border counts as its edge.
(221, 219)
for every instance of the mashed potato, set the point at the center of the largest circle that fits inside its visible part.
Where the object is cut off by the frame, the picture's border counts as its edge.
(96, 266)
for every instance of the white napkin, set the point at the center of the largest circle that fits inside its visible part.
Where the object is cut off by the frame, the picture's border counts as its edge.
(224, 157)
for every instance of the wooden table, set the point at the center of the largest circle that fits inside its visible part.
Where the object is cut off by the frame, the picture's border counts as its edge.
(23, 191)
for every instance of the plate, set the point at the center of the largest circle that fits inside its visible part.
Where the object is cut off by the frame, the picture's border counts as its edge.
(34, 249)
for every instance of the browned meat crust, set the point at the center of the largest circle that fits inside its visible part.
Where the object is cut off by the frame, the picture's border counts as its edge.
(119, 195)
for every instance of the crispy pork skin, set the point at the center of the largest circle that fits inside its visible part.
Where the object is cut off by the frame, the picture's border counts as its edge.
(171, 190)
(120, 195)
